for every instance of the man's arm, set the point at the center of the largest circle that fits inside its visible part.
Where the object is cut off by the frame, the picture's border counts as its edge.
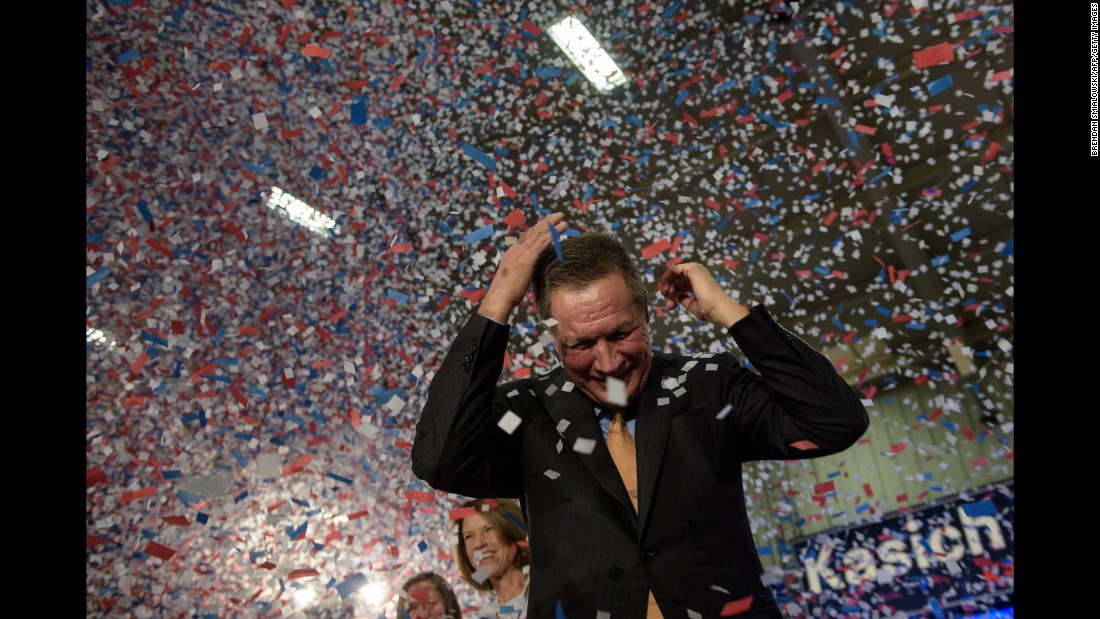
(798, 406)
(458, 446)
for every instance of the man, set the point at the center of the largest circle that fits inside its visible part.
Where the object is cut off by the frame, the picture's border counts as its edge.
(678, 543)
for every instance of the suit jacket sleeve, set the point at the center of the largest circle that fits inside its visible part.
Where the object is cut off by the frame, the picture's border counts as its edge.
(459, 446)
(798, 406)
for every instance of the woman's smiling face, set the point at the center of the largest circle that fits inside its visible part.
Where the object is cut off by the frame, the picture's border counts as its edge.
(485, 547)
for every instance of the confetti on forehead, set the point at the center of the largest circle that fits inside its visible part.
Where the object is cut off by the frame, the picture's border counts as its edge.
(256, 379)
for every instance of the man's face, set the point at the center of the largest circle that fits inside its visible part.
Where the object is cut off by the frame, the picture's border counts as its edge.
(601, 334)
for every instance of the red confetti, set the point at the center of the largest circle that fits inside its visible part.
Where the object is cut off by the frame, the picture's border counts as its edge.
(651, 250)
(736, 607)
(94, 476)
(159, 551)
(419, 495)
(316, 51)
(937, 54)
(129, 497)
(515, 218)
(460, 513)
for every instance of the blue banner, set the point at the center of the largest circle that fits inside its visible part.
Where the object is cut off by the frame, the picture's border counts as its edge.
(952, 559)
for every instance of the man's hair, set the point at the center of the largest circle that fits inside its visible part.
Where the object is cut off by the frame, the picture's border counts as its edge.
(453, 610)
(587, 258)
(506, 517)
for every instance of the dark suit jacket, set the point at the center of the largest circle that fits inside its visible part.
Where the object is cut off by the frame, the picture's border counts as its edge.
(690, 541)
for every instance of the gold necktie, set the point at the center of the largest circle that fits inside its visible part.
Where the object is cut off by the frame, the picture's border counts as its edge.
(621, 446)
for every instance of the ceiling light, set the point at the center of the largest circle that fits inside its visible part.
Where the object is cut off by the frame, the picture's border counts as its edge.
(301, 213)
(95, 336)
(585, 52)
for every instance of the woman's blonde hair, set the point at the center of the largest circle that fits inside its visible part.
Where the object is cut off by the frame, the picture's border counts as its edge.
(454, 611)
(507, 519)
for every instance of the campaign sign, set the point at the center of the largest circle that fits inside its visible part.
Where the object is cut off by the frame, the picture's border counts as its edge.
(952, 559)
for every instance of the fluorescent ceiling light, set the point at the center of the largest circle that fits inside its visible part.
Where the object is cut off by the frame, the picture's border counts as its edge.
(301, 213)
(585, 52)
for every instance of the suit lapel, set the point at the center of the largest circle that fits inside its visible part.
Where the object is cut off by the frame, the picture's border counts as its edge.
(651, 436)
(578, 411)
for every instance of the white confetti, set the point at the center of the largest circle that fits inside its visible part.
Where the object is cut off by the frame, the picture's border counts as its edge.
(616, 391)
(584, 445)
(509, 421)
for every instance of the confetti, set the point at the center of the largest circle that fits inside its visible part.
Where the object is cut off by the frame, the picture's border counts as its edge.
(736, 607)
(509, 422)
(616, 391)
(937, 54)
(584, 445)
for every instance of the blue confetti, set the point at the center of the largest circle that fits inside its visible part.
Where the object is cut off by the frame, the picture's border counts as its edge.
(724, 85)
(94, 278)
(143, 208)
(149, 337)
(125, 57)
(981, 508)
(961, 234)
(358, 111)
(879, 176)
(557, 244)
(400, 297)
(519, 523)
(550, 71)
(477, 155)
(483, 232)
(935, 87)
(294, 532)
(346, 480)
(258, 169)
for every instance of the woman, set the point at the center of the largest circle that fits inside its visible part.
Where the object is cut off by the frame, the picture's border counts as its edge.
(492, 555)
(428, 596)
